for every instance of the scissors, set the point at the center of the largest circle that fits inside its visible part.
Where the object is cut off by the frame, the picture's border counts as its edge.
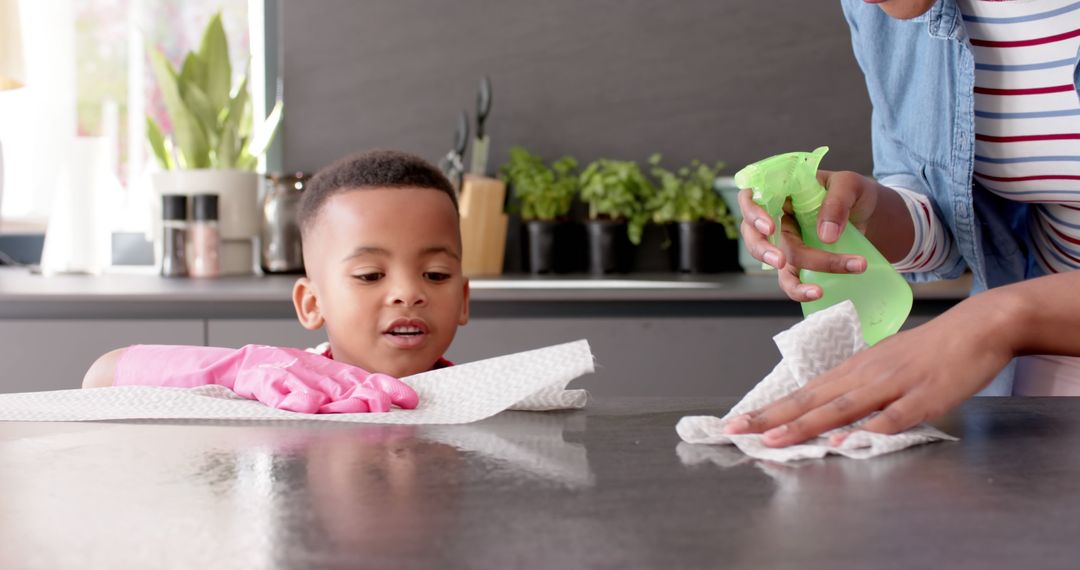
(452, 164)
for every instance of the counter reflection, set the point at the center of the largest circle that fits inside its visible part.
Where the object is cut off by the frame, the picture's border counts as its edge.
(262, 495)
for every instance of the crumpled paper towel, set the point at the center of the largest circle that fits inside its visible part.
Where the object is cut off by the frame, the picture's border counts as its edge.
(533, 380)
(820, 342)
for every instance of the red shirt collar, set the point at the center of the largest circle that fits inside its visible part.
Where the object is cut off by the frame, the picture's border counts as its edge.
(440, 363)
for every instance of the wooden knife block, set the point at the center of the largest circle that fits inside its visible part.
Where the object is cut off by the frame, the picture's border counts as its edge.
(483, 225)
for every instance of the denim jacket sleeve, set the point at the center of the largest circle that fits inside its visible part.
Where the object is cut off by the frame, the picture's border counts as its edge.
(920, 76)
(900, 121)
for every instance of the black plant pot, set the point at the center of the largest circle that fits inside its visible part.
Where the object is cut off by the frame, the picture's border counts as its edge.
(610, 250)
(653, 254)
(702, 247)
(553, 247)
(724, 251)
(688, 251)
(539, 246)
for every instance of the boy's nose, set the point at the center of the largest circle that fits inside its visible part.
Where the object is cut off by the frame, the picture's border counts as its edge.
(408, 294)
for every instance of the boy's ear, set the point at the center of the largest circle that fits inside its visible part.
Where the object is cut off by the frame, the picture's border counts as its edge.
(463, 318)
(306, 303)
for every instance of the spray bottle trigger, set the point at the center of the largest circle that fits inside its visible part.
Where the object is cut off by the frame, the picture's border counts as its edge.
(774, 237)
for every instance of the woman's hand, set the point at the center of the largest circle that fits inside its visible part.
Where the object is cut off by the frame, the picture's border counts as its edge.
(851, 197)
(911, 377)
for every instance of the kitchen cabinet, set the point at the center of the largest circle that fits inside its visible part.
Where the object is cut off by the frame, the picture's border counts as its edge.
(664, 335)
(54, 354)
(656, 356)
(635, 356)
(642, 356)
(235, 333)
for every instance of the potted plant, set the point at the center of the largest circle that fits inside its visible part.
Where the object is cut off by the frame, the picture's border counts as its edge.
(212, 146)
(704, 229)
(545, 194)
(616, 192)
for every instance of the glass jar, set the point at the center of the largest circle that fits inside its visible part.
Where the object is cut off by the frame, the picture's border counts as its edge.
(205, 236)
(174, 227)
(280, 248)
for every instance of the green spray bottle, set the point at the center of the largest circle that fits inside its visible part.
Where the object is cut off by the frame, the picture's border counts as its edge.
(881, 296)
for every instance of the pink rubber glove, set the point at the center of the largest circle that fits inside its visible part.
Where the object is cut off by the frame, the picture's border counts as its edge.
(284, 378)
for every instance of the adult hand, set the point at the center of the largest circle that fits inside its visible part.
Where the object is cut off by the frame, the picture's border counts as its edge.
(851, 197)
(911, 377)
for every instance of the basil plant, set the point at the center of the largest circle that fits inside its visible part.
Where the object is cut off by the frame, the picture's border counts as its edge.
(688, 195)
(617, 190)
(545, 192)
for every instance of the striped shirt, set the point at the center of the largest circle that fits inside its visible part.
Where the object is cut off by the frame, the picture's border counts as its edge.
(1027, 149)
(1027, 128)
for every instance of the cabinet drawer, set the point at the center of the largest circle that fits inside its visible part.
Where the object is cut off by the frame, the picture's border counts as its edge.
(54, 354)
(235, 333)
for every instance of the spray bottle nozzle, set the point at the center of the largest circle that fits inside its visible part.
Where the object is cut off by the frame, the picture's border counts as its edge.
(776, 179)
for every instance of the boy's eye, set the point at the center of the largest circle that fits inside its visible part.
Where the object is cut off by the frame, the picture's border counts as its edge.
(369, 277)
(436, 276)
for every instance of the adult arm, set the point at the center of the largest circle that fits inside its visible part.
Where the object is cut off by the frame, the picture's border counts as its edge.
(923, 373)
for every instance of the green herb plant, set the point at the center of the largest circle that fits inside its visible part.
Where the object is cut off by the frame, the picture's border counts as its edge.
(687, 195)
(545, 192)
(617, 190)
(211, 122)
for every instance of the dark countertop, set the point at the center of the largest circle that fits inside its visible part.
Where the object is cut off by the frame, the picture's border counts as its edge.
(142, 294)
(608, 487)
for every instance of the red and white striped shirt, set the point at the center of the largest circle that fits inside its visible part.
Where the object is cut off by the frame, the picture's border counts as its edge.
(1027, 149)
(1027, 127)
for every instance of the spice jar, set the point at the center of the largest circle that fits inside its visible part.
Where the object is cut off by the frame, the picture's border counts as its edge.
(174, 226)
(205, 236)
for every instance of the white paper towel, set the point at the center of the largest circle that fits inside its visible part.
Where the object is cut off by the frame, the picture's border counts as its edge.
(820, 342)
(531, 380)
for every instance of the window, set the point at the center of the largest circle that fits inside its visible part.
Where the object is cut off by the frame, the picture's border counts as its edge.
(87, 75)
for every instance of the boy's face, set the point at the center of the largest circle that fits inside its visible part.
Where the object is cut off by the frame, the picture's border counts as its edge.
(384, 276)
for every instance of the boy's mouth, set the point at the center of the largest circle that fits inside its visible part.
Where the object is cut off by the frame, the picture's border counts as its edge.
(406, 333)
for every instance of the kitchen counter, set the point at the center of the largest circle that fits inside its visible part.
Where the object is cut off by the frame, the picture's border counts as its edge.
(146, 295)
(607, 487)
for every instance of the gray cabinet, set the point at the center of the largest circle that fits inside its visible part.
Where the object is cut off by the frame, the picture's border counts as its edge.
(652, 336)
(54, 354)
(716, 356)
(634, 356)
(654, 356)
(235, 333)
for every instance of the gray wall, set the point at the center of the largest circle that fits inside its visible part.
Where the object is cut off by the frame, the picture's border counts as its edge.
(732, 80)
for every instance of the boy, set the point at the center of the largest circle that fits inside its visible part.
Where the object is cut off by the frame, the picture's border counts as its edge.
(382, 254)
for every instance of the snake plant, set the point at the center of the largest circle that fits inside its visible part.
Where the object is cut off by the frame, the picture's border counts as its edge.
(211, 121)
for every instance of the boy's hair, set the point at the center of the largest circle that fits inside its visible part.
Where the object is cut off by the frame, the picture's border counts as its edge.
(371, 169)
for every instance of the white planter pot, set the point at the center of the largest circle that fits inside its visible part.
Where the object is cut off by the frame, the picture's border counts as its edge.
(238, 196)
(238, 210)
